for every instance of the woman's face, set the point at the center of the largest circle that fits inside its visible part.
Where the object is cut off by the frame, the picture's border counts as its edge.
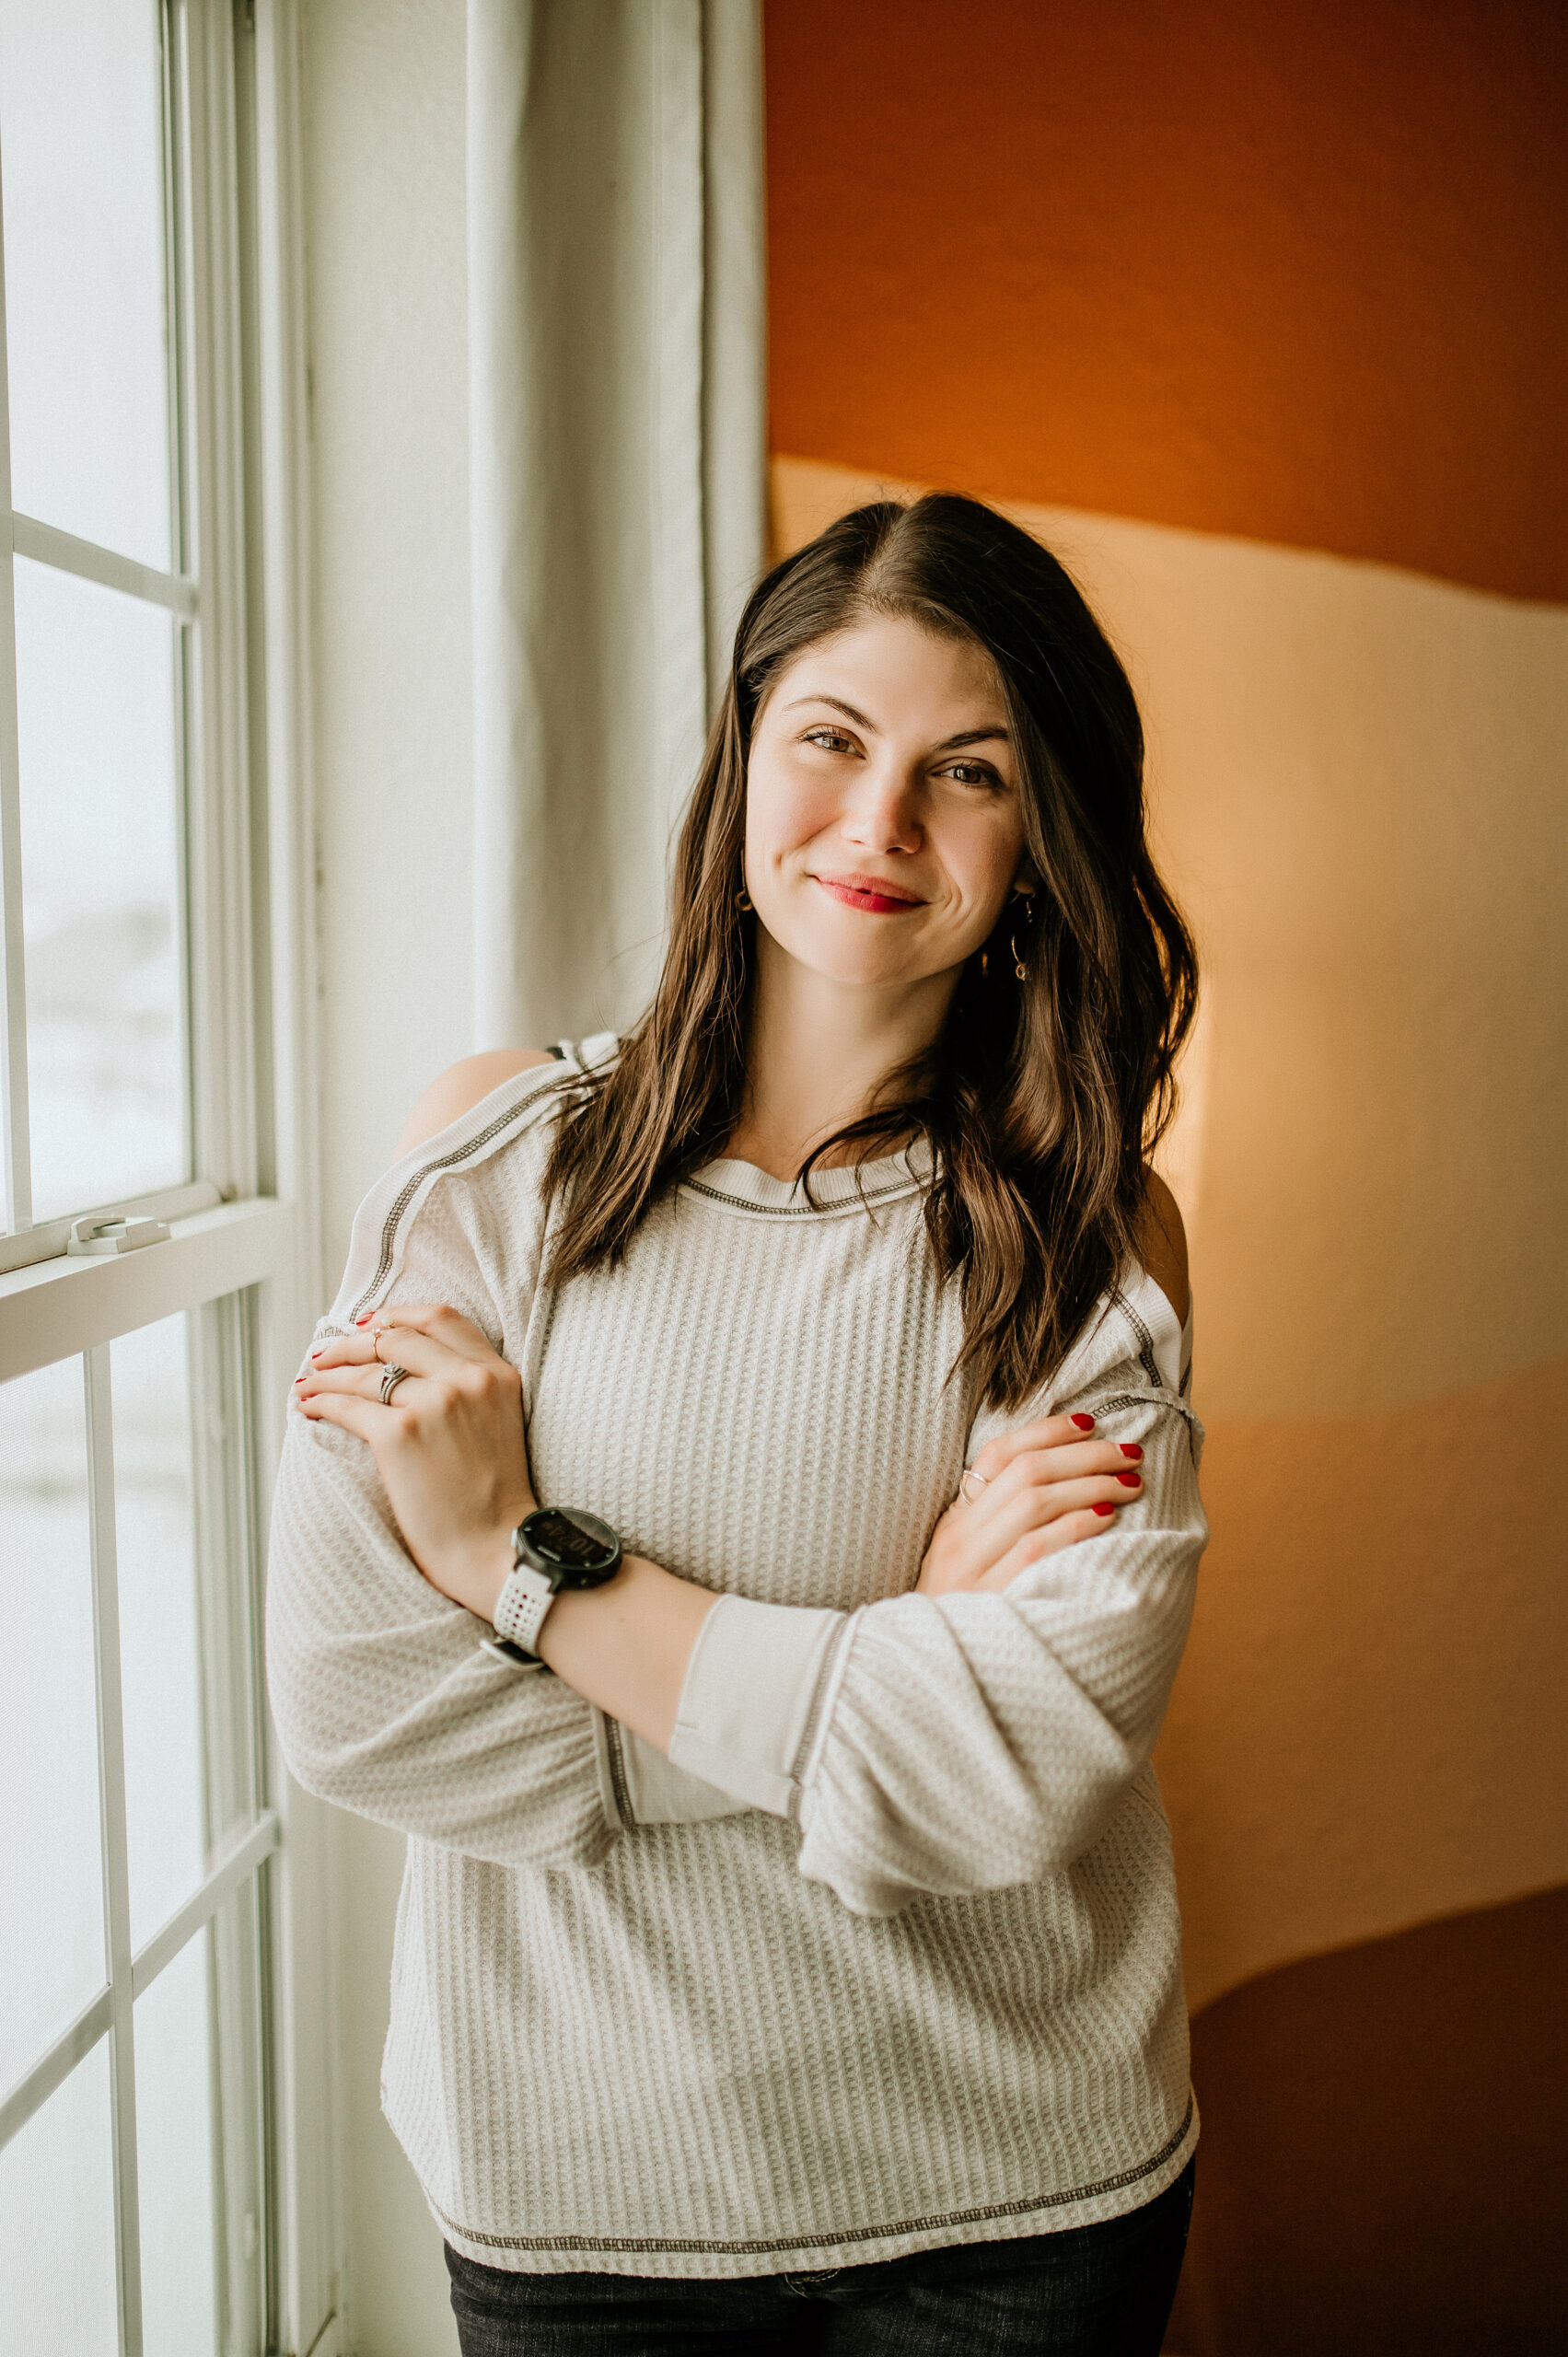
(884, 832)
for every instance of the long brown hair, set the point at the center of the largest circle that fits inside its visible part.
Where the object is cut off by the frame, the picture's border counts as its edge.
(1041, 1097)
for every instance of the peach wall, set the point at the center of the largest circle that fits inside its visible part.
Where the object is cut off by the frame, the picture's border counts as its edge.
(1297, 271)
(1368, 1731)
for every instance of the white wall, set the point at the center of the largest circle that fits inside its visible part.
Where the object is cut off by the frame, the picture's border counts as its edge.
(384, 102)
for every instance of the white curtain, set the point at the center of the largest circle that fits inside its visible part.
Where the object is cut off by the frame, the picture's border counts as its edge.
(617, 361)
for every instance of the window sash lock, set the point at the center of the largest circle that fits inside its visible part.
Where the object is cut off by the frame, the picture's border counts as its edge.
(99, 1236)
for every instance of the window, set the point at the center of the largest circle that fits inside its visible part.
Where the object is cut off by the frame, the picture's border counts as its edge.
(158, 2124)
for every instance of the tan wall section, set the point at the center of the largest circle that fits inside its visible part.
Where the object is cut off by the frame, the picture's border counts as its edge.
(1368, 1730)
(1298, 270)
(1357, 777)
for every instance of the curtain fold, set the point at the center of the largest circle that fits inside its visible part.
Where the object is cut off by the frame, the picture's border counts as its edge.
(617, 310)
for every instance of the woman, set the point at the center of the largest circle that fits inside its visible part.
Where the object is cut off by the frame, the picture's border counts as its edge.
(799, 1964)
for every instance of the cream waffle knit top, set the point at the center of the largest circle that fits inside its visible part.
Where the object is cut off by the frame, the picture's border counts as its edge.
(884, 1955)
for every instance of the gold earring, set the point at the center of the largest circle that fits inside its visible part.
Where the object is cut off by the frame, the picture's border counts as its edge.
(743, 900)
(1019, 967)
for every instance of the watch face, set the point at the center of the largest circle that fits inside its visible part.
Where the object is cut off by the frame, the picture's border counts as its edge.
(564, 1542)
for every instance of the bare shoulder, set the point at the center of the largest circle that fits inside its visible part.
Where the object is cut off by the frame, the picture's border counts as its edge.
(462, 1085)
(1162, 1243)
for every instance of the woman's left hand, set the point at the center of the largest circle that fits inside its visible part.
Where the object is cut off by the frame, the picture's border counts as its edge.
(1030, 1493)
(450, 1445)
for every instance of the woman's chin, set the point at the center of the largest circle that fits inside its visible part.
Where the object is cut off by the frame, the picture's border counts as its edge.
(873, 962)
(863, 973)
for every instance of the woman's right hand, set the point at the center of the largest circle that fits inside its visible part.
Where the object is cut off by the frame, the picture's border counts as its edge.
(1029, 1492)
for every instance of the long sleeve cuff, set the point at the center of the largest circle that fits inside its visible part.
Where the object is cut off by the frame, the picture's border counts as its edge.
(639, 1785)
(751, 1699)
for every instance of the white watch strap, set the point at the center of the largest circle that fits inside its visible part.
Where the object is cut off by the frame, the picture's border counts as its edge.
(522, 1604)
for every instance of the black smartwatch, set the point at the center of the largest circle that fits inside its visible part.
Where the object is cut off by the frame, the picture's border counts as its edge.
(552, 1547)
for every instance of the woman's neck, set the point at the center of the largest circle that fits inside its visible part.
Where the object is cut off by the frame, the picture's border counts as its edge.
(818, 1052)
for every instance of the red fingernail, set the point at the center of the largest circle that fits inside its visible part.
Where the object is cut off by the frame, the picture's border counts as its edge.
(1130, 1448)
(1128, 1480)
(1084, 1423)
(316, 1354)
(364, 1320)
(1102, 1509)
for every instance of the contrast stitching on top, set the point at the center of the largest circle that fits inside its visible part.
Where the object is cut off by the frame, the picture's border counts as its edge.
(1147, 1358)
(1142, 1400)
(412, 1185)
(617, 1783)
(846, 2233)
(806, 1211)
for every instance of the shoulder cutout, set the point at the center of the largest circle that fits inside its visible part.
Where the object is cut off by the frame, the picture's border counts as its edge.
(448, 1098)
(1162, 1244)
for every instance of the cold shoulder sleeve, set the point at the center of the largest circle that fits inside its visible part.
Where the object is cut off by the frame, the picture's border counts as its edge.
(961, 1743)
(384, 1699)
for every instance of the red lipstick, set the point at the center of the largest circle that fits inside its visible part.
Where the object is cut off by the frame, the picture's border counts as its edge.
(869, 893)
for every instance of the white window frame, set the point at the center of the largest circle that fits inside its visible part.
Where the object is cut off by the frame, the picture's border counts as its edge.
(248, 1224)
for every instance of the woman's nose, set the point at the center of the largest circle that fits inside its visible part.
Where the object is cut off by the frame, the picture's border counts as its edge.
(883, 813)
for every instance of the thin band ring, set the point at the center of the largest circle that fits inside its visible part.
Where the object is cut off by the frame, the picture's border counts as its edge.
(391, 1379)
(970, 1475)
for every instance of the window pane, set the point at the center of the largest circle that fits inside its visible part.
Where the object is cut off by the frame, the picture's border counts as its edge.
(100, 891)
(57, 2223)
(159, 1632)
(174, 2155)
(51, 1952)
(81, 161)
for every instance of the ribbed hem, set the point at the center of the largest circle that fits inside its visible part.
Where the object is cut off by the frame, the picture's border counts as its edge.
(1113, 2196)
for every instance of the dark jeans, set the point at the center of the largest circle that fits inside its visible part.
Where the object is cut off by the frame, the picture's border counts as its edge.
(1089, 2291)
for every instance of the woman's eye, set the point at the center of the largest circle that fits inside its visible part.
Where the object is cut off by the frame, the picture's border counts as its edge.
(971, 774)
(832, 740)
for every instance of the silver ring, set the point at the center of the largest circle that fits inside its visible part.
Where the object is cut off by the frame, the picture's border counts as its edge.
(391, 1379)
(970, 1475)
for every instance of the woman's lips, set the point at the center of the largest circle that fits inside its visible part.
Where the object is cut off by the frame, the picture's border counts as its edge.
(866, 892)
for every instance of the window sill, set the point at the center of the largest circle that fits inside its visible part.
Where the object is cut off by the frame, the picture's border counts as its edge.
(48, 1240)
(60, 1307)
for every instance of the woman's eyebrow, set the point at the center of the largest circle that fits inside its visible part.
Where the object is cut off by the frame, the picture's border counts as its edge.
(949, 744)
(860, 718)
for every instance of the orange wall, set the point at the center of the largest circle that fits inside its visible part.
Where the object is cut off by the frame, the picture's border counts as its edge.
(1294, 269)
